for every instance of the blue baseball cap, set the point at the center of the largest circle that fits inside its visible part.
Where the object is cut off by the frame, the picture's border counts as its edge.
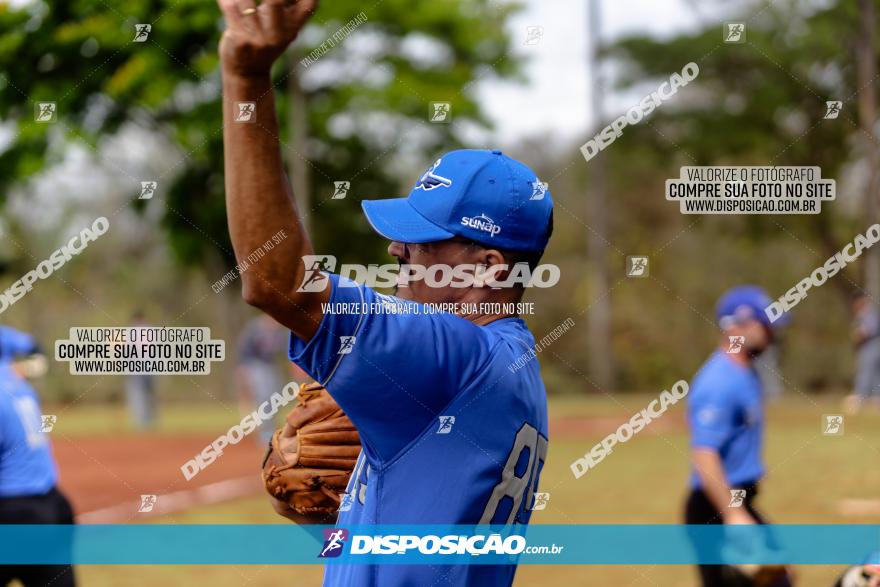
(483, 196)
(746, 302)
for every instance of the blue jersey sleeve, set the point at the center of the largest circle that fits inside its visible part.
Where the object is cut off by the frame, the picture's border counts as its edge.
(712, 417)
(392, 365)
(6, 422)
(14, 343)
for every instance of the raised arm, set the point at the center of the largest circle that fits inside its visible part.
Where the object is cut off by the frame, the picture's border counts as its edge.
(259, 200)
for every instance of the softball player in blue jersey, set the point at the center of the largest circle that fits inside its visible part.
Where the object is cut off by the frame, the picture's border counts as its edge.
(726, 420)
(452, 431)
(28, 474)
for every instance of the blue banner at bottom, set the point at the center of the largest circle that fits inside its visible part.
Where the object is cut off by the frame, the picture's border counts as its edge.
(383, 544)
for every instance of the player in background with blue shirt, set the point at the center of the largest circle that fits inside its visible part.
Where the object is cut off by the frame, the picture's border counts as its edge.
(726, 419)
(28, 475)
(451, 432)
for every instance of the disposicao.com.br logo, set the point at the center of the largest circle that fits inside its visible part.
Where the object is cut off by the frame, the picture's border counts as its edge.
(430, 544)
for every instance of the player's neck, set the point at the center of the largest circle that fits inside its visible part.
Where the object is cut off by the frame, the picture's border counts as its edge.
(483, 306)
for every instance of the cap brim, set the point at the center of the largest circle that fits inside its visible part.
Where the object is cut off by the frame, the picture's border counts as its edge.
(397, 220)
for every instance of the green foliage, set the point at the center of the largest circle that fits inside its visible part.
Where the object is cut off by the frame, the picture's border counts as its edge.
(81, 55)
(757, 103)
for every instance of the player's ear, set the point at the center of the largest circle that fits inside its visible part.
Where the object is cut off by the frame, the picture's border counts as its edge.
(491, 257)
(495, 265)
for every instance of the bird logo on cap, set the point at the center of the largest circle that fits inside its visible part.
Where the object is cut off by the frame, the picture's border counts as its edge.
(431, 180)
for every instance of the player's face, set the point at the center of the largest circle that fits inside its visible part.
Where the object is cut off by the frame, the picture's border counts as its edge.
(757, 337)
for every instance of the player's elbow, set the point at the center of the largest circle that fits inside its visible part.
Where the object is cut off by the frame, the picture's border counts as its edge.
(252, 296)
(258, 295)
(300, 312)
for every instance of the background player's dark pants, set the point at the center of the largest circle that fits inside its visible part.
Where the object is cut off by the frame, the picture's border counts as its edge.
(700, 511)
(51, 508)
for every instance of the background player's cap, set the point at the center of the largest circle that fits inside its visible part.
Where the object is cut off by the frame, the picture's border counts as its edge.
(746, 302)
(15, 344)
(484, 196)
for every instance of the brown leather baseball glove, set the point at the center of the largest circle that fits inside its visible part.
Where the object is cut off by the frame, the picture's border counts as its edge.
(310, 460)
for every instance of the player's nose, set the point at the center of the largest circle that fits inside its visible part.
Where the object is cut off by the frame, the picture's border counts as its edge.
(396, 249)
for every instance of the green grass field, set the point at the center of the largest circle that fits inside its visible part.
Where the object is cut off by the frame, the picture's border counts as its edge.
(642, 481)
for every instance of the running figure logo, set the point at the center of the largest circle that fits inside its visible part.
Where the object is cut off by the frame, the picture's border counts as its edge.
(637, 267)
(334, 540)
(736, 344)
(341, 189)
(737, 498)
(142, 32)
(539, 190)
(315, 276)
(446, 423)
(47, 422)
(148, 188)
(246, 112)
(441, 111)
(833, 425)
(346, 344)
(45, 112)
(534, 35)
(832, 108)
(736, 32)
(147, 503)
(541, 500)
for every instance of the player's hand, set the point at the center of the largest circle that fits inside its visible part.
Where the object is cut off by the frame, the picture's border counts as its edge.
(257, 35)
(739, 517)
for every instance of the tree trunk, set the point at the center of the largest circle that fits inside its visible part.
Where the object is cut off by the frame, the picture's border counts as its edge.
(599, 313)
(866, 72)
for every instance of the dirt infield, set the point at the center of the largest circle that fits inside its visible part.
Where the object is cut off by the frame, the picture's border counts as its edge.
(106, 472)
(104, 476)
